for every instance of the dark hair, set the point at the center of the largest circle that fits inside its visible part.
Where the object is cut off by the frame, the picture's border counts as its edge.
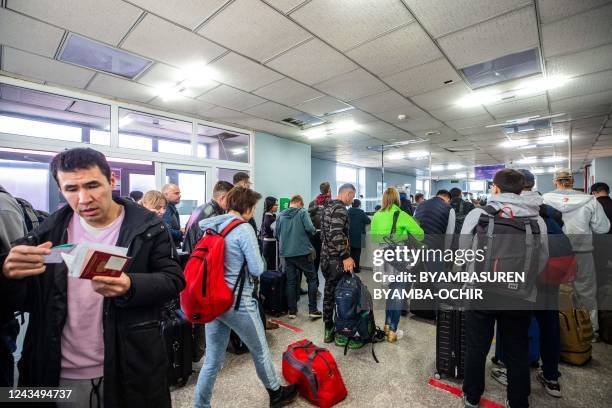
(455, 192)
(222, 187)
(356, 203)
(242, 199)
(240, 176)
(80, 158)
(418, 196)
(443, 193)
(325, 187)
(297, 199)
(269, 202)
(346, 186)
(509, 181)
(600, 186)
(136, 195)
(377, 207)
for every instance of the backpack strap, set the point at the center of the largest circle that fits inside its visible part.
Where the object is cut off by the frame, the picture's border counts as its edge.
(230, 227)
(394, 225)
(240, 284)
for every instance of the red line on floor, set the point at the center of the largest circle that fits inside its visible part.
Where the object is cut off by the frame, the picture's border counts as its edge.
(456, 391)
(287, 326)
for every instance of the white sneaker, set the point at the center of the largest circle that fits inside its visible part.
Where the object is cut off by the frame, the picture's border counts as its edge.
(500, 375)
(552, 387)
(291, 316)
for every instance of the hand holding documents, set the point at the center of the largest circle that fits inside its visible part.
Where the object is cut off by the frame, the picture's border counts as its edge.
(88, 260)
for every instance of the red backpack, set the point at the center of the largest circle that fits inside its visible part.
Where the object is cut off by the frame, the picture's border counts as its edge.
(206, 295)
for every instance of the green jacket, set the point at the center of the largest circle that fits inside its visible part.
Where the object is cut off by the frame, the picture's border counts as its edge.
(383, 221)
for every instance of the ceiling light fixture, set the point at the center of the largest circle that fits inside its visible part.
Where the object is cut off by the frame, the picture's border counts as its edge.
(454, 166)
(344, 127)
(528, 160)
(238, 151)
(198, 75)
(528, 146)
(515, 143)
(552, 140)
(395, 156)
(169, 92)
(553, 159)
(478, 98)
(540, 85)
(418, 155)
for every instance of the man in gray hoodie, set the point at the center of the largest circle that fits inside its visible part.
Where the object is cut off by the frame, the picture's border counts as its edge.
(292, 228)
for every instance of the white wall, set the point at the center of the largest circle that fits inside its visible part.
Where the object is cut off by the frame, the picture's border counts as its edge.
(602, 170)
(320, 171)
(282, 169)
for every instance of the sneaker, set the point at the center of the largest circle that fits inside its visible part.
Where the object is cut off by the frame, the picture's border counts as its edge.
(329, 334)
(315, 315)
(292, 316)
(392, 336)
(552, 387)
(355, 344)
(386, 329)
(500, 375)
(283, 396)
(467, 404)
(341, 340)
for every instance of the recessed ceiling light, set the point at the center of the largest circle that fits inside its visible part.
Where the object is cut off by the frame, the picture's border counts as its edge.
(552, 139)
(418, 154)
(395, 156)
(515, 143)
(169, 92)
(527, 160)
(454, 166)
(432, 132)
(540, 85)
(343, 127)
(553, 159)
(478, 98)
(528, 146)
(401, 117)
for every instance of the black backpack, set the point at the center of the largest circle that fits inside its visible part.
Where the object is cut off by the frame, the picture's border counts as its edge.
(510, 245)
(33, 218)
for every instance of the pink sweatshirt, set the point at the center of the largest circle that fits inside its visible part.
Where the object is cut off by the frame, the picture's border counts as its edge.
(83, 334)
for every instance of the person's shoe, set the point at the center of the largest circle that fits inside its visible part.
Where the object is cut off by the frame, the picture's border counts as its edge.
(392, 336)
(315, 315)
(283, 396)
(467, 404)
(386, 329)
(292, 315)
(355, 344)
(500, 375)
(552, 387)
(341, 340)
(329, 335)
(271, 325)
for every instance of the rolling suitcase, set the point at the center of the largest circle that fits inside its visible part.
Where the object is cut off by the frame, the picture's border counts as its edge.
(272, 292)
(177, 334)
(450, 342)
(534, 345)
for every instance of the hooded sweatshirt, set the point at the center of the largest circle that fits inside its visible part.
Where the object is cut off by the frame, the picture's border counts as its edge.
(582, 215)
(240, 246)
(292, 228)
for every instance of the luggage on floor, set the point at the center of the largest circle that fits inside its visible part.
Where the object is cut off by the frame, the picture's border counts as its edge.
(198, 342)
(450, 342)
(177, 334)
(272, 292)
(236, 345)
(534, 345)
(315, 372)
(575, 328)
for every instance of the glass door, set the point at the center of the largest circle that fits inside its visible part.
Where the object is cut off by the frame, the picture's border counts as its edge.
(192, 181)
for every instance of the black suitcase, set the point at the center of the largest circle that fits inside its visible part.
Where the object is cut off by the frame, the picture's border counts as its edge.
(177, 335)
(272, 292)
(450, 342)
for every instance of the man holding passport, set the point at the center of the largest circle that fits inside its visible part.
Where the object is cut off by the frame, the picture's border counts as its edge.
(99, 337)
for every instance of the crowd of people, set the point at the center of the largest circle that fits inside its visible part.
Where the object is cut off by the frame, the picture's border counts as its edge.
(102, 337)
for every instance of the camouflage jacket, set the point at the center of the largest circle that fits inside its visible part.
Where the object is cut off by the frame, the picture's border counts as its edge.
(334, 232)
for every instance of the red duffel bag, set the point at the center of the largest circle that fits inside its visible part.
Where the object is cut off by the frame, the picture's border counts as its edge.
(315, 372)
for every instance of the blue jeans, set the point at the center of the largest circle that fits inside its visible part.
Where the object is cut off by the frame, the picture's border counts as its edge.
(248, 326)
(393, 309)
(294, 266)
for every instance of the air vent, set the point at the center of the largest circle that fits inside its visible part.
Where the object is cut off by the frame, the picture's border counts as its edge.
(303, 121)
(527, 127)
(460, 149)
(512, 66)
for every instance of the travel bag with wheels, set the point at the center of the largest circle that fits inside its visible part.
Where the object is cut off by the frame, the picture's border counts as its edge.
(450, 342)
(177, 334)
(534, 345)
(575, 328)
(315, 372)
(272, 292)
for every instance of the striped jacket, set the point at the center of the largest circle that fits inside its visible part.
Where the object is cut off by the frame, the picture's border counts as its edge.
(334, 232)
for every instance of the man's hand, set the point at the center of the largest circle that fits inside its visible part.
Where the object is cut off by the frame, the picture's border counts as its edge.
(23, 261)
(111, 287)
(348, 265)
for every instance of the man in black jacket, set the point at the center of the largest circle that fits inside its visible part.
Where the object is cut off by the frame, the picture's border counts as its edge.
(602, 242)
(128, 350)
(172, 193)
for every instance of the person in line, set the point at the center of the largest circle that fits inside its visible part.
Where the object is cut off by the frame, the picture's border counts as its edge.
(335, 257)
(12, 227)
(583, 216)
(91, 336)
(602, 243)
(136, 196)
(437, 219)
(406, 204)
(266, 234)
(513, 324)
(155, 201)
(418, 199)
(293, 229)
(462, 207)
(382, 226)
(216, 206)
(241, 248)
(242, 179)
(315, 209)
(358, 220)
(172, 193)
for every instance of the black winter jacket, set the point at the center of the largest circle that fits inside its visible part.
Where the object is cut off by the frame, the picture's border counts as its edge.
(135, 360)
(194, 233)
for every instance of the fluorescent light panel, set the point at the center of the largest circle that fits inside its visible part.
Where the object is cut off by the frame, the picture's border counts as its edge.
(512, 66)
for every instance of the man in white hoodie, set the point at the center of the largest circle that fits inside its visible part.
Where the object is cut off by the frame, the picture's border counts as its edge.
(583, 216)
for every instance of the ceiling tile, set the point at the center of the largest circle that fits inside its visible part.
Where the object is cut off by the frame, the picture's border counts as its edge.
(518, 107)
(312, 62)
(182, 105)
(107, 21)
(226, 115)
(352, 85)
(551, 10)
(257, 30)
(242, 73)
(188, 13)
(417, 125)
(381, 102)
(231, 98)
(587, 103)
(397, 51)
(442, 97)
(272, 111)
(423, 78)
(410, 110)
(453, 112)
(121, 88)
(27, 34)
(584, 85)
(164, 41)
(584, 62)
(507, 34)
(285, 6)
(441, 17)
(354, 115)
(584, 30)
(347, 23)
(288, 92)
(474, 121)
(385, 131)
(34, 66)
(322, 106)
(160, 75)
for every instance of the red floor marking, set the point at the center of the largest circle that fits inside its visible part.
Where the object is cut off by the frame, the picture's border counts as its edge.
(287, 326)
(456, 391)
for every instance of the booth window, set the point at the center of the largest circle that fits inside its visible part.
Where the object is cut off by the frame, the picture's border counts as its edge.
(153, 133)
(222, 144)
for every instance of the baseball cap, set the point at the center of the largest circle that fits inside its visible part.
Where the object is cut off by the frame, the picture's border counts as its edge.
(529, 178)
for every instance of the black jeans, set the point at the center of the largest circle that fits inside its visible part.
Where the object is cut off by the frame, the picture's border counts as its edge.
(479, 328)
(547, 316)
(294, 267)
(315, 240)
(356, 255)
(332, 273)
